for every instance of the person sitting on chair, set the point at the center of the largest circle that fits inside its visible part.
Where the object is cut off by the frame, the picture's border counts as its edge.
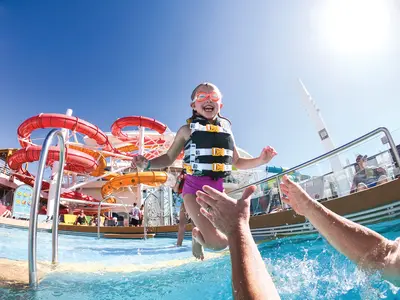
(81, 218)
(366, 176)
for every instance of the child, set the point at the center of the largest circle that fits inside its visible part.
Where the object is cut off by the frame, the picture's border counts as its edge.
(210, 152)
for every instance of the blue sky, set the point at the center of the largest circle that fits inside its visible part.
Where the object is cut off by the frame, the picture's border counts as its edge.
(109, 59)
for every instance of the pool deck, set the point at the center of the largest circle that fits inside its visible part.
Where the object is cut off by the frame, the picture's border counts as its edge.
(23, 223)
(17, 274)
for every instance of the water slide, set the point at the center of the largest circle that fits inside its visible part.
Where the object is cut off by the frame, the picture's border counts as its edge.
(132, 179)
(78, 160)
(82, 160)
(155, 145)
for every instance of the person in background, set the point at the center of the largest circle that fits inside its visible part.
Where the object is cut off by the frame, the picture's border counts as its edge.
(250, 278)
(81, 218)
(135, 215)
(93, 221)
(141, 215)
(365, 247)
(366, 176)
(177, 189)
(43, 209)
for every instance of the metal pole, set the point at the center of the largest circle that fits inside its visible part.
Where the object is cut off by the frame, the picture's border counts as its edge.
(99, 207)
(51, 198)
(54, 247)
(171, 211)
(98, 221)
(392, 145)
(32, 241)
(140, 152)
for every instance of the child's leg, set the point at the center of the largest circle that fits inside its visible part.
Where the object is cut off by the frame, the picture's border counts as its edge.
(205, 233)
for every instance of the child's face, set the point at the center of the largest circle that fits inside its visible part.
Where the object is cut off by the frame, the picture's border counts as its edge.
(207, 108)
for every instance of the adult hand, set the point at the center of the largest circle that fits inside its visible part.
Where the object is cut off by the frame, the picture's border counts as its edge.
(225, 213)
(295, 196)
(267, 154)
(139, 162)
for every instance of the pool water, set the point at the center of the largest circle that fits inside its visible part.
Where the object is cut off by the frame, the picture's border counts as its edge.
(305, 267)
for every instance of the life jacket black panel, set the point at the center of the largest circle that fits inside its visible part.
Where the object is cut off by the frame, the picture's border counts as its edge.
(209, 150)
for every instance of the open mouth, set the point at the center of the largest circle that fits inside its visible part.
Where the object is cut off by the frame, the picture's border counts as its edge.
(208, 108)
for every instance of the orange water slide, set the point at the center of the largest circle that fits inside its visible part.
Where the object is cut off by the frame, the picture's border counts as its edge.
(133, 179)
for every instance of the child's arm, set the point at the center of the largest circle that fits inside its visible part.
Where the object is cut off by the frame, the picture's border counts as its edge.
(168, 158)
(248, 163)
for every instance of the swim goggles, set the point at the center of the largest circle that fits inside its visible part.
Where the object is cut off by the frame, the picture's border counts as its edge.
(202, 96)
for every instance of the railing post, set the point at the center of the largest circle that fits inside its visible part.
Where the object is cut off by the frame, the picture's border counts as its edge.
(392, 145)
(32, 241)
(98, 220)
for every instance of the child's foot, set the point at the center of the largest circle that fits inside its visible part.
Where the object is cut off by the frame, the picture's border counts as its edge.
(197, 248)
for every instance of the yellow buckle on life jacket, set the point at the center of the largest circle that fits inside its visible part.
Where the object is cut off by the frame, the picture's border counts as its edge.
(218, 152)
(212, 128)
(188, 169)
(218, 167)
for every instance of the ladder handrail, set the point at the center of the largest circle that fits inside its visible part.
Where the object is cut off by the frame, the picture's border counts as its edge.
(33, 222)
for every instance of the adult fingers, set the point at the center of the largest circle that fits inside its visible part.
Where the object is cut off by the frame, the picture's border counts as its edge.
(284, 188)
(206, 198)
(287, 200)
(248, 192)
(202, 203)
(205, 213)
(286, 180)
(213, 193)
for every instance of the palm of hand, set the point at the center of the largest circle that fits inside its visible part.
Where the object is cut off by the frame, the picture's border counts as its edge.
(229, 213)
(296, 197)
(267, 154)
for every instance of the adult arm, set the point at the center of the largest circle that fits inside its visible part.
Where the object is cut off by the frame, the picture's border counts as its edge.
(250, 277)
(364, 246)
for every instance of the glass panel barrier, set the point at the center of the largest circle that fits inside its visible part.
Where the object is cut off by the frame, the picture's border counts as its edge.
(361, 164)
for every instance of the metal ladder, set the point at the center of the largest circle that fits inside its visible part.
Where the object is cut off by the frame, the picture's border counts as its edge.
(32, 245)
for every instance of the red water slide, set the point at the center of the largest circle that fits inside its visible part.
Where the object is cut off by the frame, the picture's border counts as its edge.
(61, 121)
(139, 121)
(117, 126)
(76, 160)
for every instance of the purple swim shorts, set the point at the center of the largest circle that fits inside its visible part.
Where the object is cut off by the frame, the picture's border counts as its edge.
(195, 183)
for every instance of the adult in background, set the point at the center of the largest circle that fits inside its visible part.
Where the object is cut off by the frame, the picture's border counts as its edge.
(367, 176)
(135, 215)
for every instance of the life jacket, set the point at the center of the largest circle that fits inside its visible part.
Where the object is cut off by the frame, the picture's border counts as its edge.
(209, 150)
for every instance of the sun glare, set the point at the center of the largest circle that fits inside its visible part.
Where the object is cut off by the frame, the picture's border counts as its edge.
(355, 26)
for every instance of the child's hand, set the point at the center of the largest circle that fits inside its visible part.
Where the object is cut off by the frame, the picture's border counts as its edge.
(267, 154)
(139, 162)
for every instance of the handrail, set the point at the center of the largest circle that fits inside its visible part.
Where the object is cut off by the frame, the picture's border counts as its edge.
(99, 209)
(32, 244)
(330, 153)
